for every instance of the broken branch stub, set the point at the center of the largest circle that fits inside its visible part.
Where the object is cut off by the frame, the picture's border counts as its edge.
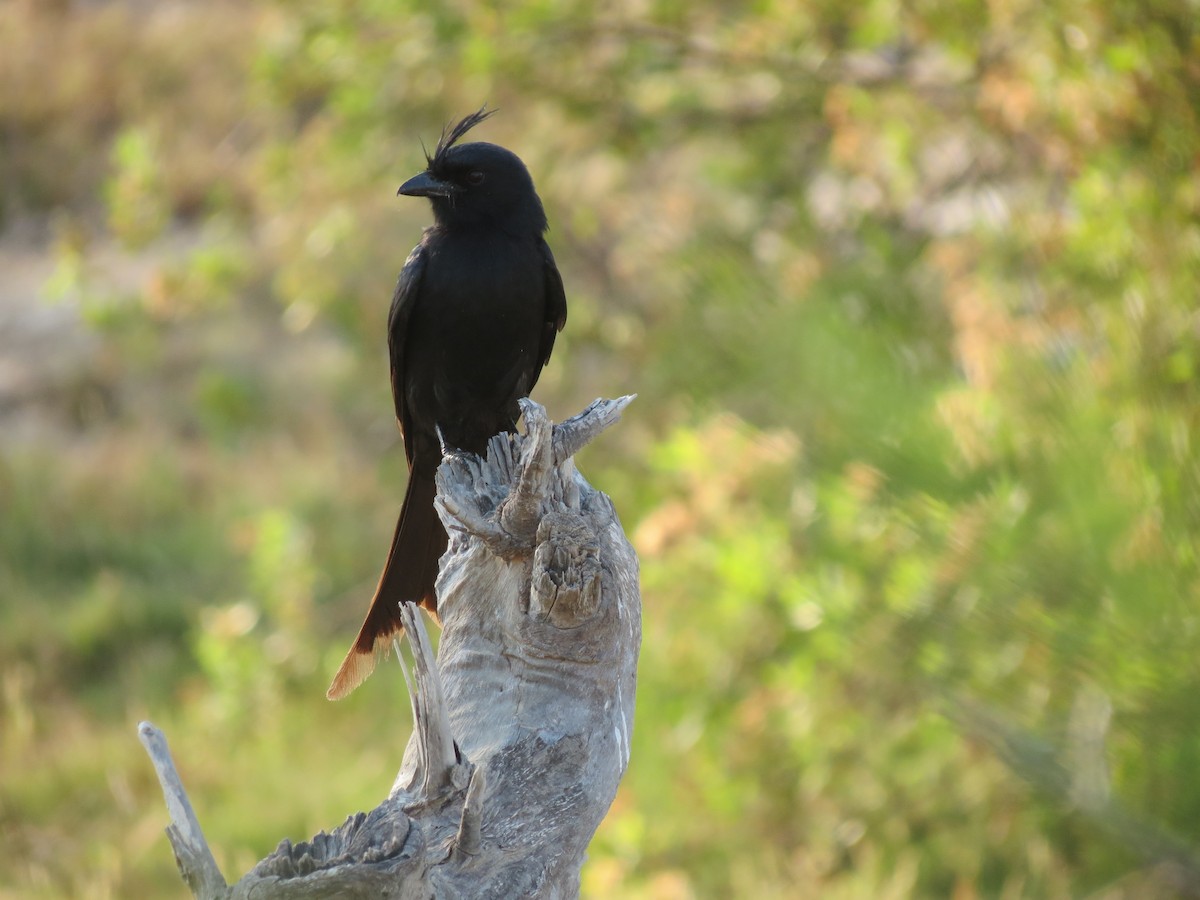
(541, 626)
(522, 725)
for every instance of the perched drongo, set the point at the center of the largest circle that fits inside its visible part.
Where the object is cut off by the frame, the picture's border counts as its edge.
(472, 323)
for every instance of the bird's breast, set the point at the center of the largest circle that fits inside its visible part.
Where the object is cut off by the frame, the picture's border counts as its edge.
(483, 291)
(471, 348)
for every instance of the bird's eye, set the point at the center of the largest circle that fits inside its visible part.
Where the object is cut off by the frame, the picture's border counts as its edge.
(475, 177)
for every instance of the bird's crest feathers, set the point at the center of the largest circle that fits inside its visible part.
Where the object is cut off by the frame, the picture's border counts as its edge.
(453, 132)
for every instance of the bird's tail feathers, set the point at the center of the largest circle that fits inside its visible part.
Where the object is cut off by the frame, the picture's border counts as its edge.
(356, 668)
(408, 577)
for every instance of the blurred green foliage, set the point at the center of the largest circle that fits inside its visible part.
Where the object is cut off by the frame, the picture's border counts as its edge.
(908, 292)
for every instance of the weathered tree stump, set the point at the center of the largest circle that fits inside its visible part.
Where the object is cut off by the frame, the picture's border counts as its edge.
(522, 724)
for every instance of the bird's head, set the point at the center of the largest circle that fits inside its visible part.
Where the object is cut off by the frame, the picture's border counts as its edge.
(477, 184)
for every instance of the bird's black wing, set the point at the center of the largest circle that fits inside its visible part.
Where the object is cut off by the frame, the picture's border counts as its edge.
(407, 289)
(556, 308)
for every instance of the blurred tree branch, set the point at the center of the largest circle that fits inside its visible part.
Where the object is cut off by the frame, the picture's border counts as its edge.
(1081, 780)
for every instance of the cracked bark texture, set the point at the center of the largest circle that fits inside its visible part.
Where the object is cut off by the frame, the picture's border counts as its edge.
(523, 724)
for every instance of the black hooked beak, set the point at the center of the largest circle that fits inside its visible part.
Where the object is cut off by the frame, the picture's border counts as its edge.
(425, 185)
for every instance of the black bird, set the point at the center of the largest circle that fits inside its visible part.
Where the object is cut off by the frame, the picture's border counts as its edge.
(472, 323)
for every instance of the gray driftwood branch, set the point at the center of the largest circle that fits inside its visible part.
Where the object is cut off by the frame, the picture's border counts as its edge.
(523, 722)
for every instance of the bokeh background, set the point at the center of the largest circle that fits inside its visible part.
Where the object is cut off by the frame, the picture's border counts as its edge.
(908, 291)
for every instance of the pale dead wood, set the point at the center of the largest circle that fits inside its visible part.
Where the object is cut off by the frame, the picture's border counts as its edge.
(192, 854)
(522, 724)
